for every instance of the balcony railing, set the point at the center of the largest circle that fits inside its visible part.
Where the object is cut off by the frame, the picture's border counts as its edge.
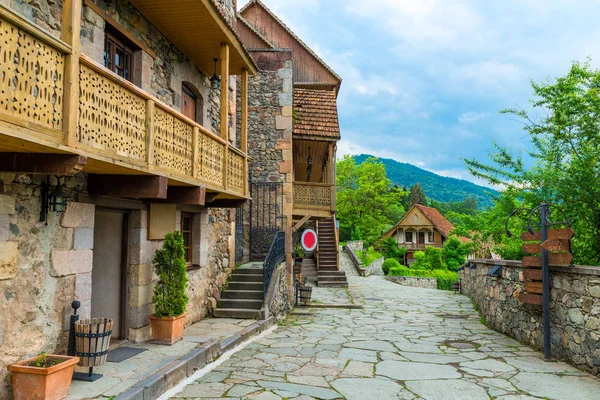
(314, 196)
(117, 124)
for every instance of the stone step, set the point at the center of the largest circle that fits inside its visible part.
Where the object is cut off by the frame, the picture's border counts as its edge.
(243, 294)
(250, 271)
(235, 277)
(332, 278)
(240, 304)
(234, 285)
(238, 313)
(322, 272)
(332, 284)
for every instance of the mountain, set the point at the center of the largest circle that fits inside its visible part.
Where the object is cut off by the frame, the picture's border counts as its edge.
(437, 187)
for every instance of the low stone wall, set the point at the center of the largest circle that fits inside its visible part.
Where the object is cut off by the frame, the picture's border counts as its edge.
(279, 302)
(574, 305)
(414, 281)
(375, 267)
(356, 245)
(351, 248)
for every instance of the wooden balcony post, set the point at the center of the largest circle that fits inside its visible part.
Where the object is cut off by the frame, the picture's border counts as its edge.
(225, 108)
(71, 27)
(244, 127)
(195, 151)
(150, 132)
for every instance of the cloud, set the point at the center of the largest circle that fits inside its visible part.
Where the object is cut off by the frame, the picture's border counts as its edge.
(472, 117)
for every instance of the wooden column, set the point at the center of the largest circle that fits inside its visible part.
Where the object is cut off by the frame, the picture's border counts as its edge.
(150, 132)
(195, 151)
(244, 126)
(225, 108)
(71, 27)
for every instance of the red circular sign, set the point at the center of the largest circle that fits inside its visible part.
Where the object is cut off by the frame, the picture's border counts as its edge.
(309, 240)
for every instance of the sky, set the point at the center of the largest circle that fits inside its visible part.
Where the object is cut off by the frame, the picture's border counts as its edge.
(424, 81)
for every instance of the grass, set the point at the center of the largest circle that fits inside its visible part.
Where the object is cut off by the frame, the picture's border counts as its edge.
(368, 256)
(444, 278)
(481, 316)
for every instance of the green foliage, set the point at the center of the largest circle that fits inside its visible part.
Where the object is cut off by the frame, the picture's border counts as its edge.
(417, 195)
(389, 248)
(170, 299)
(565, 138)
(368, 256)
(436, 187)
(389, 264)
(367, 203)
(421, 261)
(434, 257)
(455, 253)
(444, 278)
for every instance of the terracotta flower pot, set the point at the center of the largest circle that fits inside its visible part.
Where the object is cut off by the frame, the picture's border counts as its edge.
(167, 330)
(36, 383)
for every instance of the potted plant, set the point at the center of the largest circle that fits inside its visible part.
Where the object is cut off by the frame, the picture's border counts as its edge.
(299, 254)
(169, 298)
(45, 377)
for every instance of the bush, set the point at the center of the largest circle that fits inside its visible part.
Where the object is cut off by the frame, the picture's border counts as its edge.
(420, 261)
(389, 248)
(389, 264)
(444, 278)
(434, 258)
(455, 253)
(169, 298)
(368, 256)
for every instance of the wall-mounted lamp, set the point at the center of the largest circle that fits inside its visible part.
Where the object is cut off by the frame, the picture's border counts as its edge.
(495, 271)
(215, 80)
(55, 201)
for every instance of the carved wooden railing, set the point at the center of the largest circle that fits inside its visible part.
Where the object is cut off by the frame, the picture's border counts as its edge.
(315, 196)
(114, 120)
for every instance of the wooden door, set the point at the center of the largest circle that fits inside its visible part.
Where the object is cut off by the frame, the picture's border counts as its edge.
(421, 238)
(188, 103)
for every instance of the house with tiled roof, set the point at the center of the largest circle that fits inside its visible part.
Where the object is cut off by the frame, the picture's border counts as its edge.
(293, 130)
(421, 227)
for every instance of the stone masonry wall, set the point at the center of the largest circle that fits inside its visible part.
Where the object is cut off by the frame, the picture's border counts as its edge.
(574, 305)
(46, 14)
(413, 281)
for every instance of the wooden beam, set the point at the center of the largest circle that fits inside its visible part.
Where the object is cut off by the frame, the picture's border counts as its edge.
(149, 124)
(42, 163)
(211, 196)
(70, 34)
(244, 121)
(128, 186)
(225, 91)
(184, 195)
(226, 203)
(301, 222)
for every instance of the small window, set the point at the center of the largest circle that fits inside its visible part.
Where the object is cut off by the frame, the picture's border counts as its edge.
(408, 237)
(430, 237)
(186, 232)
(188, 103)
(118, 53)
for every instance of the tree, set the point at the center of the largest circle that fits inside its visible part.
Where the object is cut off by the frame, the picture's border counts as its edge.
(367, 205)
(417, 195)
(455, 253)
(170, 299)
(566, 154)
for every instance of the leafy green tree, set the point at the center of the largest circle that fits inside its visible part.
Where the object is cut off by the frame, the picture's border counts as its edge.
(435, 258)
(367, 204)
(566, 154)
(169, 298)
(389, 248)
(421, 261)
(455, 253)
(417, 195)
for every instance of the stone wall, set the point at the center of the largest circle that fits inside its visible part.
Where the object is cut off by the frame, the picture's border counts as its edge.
(282, 301)
(46, 14)
(351, 248)
(413, 281)
(375, 267)
(574, 307)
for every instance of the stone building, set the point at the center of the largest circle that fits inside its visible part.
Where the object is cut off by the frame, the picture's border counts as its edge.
(117, 106)
(293, 131)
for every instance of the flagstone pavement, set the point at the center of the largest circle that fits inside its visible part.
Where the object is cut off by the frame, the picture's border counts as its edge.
(407, 343)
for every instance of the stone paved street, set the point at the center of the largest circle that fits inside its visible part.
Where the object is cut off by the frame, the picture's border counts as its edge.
(406, 343)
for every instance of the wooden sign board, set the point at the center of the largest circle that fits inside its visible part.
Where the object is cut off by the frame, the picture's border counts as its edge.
(534, 287)
(532, 274)
(563, 233)
(528, 237)
(531, 299)
(162, 219)
(554, 245)
(532, 261)
(553, 258)
(529, 248)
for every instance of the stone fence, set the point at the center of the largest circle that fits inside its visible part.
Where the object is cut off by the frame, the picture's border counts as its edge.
(372, 269)
(574, 307)
(414, 281)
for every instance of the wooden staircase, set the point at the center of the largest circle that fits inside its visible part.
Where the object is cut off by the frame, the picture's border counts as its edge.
(244, 295)
(328, 268)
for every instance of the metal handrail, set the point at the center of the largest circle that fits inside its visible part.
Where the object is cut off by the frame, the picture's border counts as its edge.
(275, 256)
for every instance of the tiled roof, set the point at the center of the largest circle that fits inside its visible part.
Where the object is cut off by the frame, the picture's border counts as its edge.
(437, 219)
(315, 114)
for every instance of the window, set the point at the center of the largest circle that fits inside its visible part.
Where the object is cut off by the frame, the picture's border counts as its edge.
(408, 237)
(188, 102)
(186, 232)
(430, 237)
(118, 53)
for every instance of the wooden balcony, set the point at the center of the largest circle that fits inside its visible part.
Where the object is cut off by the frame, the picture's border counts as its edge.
(314, 199)
(121, 129)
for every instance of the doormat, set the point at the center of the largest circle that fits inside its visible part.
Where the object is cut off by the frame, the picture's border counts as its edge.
(123, 353)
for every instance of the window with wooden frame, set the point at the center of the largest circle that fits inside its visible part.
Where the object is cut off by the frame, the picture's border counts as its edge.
(187, 233)
(430, 237)
(118, 53)
(408, 237)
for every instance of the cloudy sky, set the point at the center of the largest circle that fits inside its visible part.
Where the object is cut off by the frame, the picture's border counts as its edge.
(424, 80)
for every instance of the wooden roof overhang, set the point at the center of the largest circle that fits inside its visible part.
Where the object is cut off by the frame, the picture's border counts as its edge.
(198, 29)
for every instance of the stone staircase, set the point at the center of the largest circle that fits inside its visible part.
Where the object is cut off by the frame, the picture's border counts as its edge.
(329, 274)
(243, 296)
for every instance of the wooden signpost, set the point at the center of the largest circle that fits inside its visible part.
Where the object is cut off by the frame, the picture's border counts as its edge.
(543, 248)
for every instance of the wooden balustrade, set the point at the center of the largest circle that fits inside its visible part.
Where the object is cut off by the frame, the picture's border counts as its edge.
(116, 122)
(314, 196)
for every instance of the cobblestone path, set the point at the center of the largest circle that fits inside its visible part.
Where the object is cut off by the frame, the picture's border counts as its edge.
(406, 343)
